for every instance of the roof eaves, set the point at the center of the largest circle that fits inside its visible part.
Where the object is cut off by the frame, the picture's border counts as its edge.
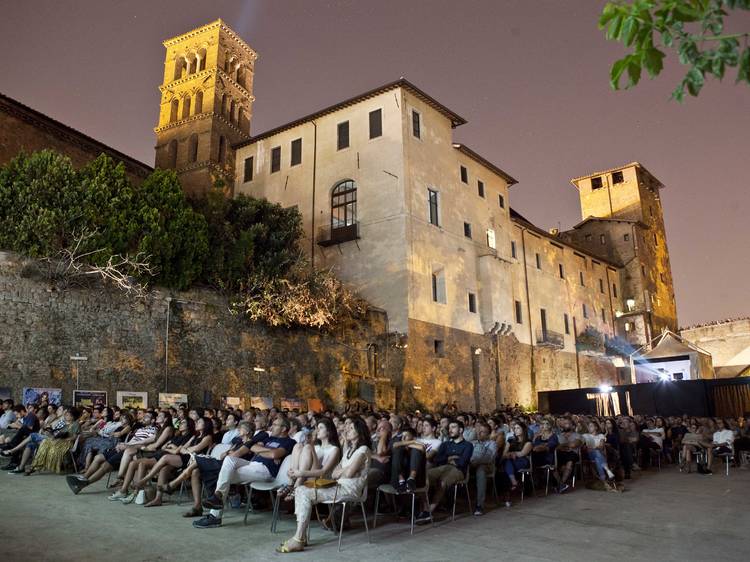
(484, 162)
(608, 171)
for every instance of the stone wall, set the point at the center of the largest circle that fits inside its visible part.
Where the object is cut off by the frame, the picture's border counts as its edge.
(210, 351)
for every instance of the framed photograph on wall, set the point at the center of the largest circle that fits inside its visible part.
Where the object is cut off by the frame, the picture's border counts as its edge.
(261, 402)
(133, 400)
(89, 398)
(35, 395)
(172, 399)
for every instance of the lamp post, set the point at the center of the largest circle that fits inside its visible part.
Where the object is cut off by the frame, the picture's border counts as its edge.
(77, 359)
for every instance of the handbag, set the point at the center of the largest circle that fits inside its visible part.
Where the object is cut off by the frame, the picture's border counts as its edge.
(319, 483)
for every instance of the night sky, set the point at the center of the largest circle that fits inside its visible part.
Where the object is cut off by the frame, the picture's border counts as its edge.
(531, 77)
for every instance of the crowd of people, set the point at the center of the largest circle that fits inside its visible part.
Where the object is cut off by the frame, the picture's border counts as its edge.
(149, 454)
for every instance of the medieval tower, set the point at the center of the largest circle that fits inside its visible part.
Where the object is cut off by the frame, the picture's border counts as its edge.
(206, 106)
(623, 220)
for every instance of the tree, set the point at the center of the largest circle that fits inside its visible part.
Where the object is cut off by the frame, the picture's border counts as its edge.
(694, 28)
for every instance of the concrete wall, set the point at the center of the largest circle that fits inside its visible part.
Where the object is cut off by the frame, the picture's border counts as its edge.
(727, 342)
(209, 348)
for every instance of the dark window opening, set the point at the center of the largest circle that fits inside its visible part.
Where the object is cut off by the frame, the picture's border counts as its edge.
(464, 174)
(376, 123)
(512, 248)
(596, 183)
(296, 152)
(275, 159)
(249, 169)
(439, 347)
(480, 188)
(342, 135)
(519, 313)
(501, 201)
(415, 124)
(467, 230)
(432, 201)
(472, 302)
(617, 177)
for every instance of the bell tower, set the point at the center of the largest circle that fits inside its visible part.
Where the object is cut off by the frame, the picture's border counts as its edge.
(206, 106)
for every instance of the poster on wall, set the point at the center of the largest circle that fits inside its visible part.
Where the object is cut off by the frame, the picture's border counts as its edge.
(172, 399)
(133, 400)
(232, 401)
(292, 403)
(89, 398)
(5, 393)
(35, 395)
(314, 405)
(261, 402)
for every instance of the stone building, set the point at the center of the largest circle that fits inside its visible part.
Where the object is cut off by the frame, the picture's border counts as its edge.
(728, 342)
(206, 106)
(23, 129)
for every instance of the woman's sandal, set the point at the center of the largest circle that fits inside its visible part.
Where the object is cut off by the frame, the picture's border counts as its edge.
(284, 548)
(166, 489)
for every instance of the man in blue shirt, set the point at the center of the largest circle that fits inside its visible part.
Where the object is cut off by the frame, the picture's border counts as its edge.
(451, 464)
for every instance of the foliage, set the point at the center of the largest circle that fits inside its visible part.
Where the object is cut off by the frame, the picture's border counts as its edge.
(590, 339)
(617, 345)
(694, 28)
(248, 238)
(303, 298)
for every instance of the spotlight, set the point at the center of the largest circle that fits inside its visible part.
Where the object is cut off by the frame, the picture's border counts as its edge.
(665, 377)
(605, 388)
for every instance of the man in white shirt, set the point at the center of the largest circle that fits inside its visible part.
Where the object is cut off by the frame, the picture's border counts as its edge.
(9, 416)
(482, 461)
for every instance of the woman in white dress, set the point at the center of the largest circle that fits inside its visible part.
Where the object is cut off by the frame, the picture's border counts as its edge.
(351, 477)
(313, 461)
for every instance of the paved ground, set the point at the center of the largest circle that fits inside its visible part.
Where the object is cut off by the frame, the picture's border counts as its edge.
(664, 516)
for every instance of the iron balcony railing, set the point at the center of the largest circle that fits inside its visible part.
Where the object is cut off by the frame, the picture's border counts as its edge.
(330, 235)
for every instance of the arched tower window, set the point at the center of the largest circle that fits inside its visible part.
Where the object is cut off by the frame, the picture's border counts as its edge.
(179, 66)
(232, 111)
(201, 60)
(186, 107)
(198, 103)
(172, 154)
(173, 110)
(224, 102)
(222, 149)
(193, 148)
(344, 209)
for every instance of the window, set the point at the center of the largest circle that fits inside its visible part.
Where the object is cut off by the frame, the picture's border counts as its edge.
(464, 174)
(566, 321)
(626, 237)
(656, 242)
(585, 310)
(561, 270)
(538, 260)
(519, 313)
(587, 237)
(275, 159)
(513, 248)
(415, 124)
(172, 154)
(501, 201)
(199, 102)
(376, 123)
(651, 211)
(438, 285)
(186, 107)
(344, 206)
(342, 135)
(617, 177)
(432, 203)
(604, 317)
(296, 152)
(222, 149)
(248, 169)
(601, 286)
(467, 230)
(614, 290)
(643, 270)
(439, 347)
(543, 314)
(472, 302)
(596, 183)
(602, 239)
(480, 188)
(491, 238)
(628, 326)
(580, 277)
(193, 148)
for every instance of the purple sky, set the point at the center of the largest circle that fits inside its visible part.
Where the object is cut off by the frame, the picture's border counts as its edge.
(531, 77)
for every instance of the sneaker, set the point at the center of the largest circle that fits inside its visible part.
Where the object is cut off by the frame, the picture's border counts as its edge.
(80, 477)
(478, 512)
(17, 470)
(213, 502)
(10, 467)
(207, 522)
(610, 474)
(423, 518)
(508, 504)
(130, 498)
(140, 497)
(563, 488)
(401, 487)
(75, 484)
(118, 495)
(411, 485)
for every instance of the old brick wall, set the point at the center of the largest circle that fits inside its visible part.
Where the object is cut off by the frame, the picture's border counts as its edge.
(210, 350)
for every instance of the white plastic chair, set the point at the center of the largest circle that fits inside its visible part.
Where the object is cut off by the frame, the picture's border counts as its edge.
(271, 486)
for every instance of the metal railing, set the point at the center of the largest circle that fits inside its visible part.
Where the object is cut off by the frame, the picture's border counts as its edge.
(329, 235)
(550, 338)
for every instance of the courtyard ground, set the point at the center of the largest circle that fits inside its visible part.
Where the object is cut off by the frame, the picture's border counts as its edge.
(662, 516)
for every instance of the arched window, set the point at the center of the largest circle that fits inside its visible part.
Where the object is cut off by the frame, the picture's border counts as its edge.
(193, 148)
(179, 65)
(186, 107)
(222, 149)
(224, 101)
(227, 63)
(172, 154)
(198, 103)
(232, 109)
(201, 60)
(173, 110)
(344, 210)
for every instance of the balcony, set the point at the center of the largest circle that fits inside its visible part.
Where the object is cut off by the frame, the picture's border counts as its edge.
(548, 338)
(330, 236)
